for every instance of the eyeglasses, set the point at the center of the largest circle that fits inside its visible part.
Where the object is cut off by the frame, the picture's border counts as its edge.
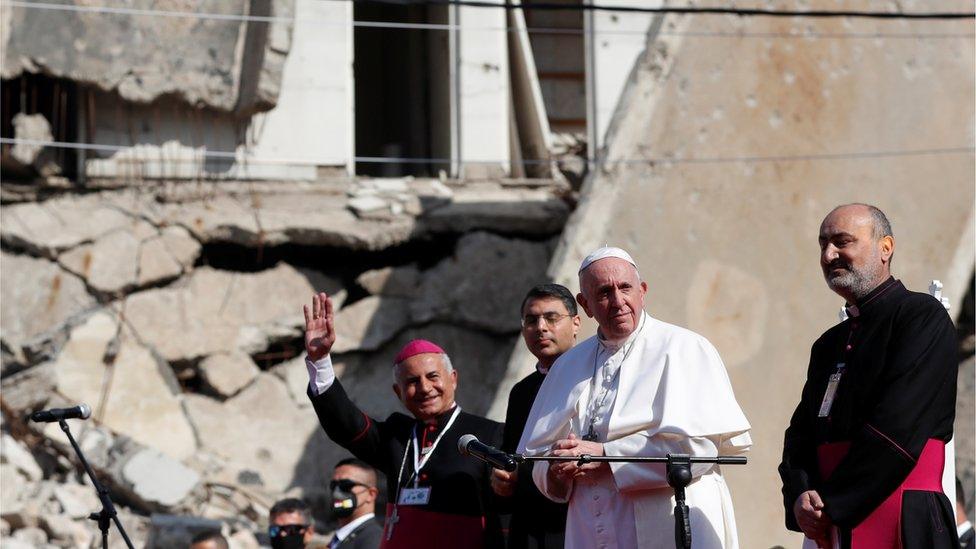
(346, 485)
(550, 318)
(275, 531)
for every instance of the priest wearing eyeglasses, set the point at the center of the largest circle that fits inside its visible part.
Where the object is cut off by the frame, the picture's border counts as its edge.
(437, 497)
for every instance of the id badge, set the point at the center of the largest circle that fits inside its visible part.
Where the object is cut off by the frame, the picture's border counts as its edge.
(828, 399)
(414, 496)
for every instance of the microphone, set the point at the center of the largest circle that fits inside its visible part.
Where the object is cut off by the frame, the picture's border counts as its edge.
(81, 411)
(469, 445)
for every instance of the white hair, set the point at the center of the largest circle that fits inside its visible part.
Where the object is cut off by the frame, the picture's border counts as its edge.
(446, 360)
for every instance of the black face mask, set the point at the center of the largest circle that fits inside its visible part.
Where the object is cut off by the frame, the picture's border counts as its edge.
(291, 541)
(344, 502)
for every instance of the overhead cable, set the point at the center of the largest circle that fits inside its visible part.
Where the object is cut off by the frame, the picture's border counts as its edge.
(689, 10)
(664, 160)
(448, 27)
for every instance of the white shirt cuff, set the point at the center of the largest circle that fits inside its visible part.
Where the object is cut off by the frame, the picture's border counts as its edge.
(320, 374)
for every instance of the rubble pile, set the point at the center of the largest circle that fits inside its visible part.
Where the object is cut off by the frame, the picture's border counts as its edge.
(175, 313)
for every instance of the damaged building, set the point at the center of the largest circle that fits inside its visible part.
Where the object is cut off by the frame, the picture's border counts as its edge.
(179, 178)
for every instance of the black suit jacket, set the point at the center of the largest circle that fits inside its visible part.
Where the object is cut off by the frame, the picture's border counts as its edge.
(367, 535)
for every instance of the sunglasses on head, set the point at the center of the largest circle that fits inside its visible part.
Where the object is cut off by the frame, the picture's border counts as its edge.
(275, 531)
(345, 484)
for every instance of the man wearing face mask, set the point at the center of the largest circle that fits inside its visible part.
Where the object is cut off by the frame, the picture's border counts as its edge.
(290, 524)
(354, 492)
(437, 497)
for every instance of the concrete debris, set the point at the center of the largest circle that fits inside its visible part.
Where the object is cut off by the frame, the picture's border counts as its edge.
(109, 265)
(37, 298)
(31, 156)
(391, 281)
(228, 373)
(214, 311)
(143, 402)
(32, 535)
(483, 284)
(369, 323)
(159, 479)
(64, 529)
(364, 204)
(13, 453)
(505, 211)
(295, 375)
(77, 500)
(260, 429)
(239, 71)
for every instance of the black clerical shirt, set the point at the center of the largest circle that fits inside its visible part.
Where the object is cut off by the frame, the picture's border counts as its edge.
(537, 522)
(897, 391)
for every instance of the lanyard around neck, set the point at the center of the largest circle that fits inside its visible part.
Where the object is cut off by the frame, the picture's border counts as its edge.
(418, 462)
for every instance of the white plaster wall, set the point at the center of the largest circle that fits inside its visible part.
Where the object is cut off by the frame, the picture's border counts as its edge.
(484, 92)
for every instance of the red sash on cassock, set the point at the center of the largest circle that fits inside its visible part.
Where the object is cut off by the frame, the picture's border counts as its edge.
(420, 528)
(882, 528)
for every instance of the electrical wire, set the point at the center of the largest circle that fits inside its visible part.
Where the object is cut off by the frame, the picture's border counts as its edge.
(448, 27)
(412, 160)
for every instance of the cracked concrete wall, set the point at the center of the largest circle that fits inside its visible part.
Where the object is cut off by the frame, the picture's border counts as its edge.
(144, 56)
(175, 313)
(729, 247)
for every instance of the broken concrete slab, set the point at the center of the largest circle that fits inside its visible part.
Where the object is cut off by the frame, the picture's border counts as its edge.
(507, 211)
(227, 373)
(14, 453)
(213, 311)
(369, 323)
(60, 528)
(239, 71)
(483, 284)
(158, 479)
(144, 401)
(109, 265)
(50, 227)
(403, 281)
(76, 500)
(247, 430)
(37, 297)
(295, 375)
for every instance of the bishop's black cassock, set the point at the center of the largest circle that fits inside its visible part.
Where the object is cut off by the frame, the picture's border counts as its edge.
(460, 511)
(537, 522)
(876, 458)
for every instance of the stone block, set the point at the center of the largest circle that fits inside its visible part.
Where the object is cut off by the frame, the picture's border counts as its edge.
(295, 375)
(228, 373)
(110, 265)
(13, 453)
(37, 297)
(369, 323)
(33, 535)
(77, 500)
(144, 401)
(213, 311)
(401, 281)
(50, 227)
(33, 157)
(218, 62)
(66, 531)
(260, 429)
(483, 284)
(159, 479)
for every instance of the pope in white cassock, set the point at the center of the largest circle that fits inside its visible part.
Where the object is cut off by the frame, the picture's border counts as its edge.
(640, 387)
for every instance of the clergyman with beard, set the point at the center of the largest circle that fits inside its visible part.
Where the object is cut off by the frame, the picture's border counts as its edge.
(864, 452)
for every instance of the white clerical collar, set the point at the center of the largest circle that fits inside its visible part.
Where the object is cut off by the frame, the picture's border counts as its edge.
(964, 527)
(612, 345)
(344, 531)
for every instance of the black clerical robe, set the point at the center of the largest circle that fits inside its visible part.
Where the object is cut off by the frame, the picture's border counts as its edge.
(876, 457)
(537, 522)
(460, 511)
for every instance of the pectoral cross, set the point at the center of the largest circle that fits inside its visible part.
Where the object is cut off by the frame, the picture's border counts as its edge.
(391, 523)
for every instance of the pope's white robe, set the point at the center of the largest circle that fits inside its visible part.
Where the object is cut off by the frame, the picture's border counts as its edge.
(672, 396)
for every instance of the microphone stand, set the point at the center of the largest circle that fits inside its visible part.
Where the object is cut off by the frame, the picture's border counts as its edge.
(107, 515)
(679, 477)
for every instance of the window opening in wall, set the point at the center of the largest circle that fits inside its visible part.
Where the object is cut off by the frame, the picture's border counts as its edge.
(560, 64)
(402, 90)
(57, 101)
